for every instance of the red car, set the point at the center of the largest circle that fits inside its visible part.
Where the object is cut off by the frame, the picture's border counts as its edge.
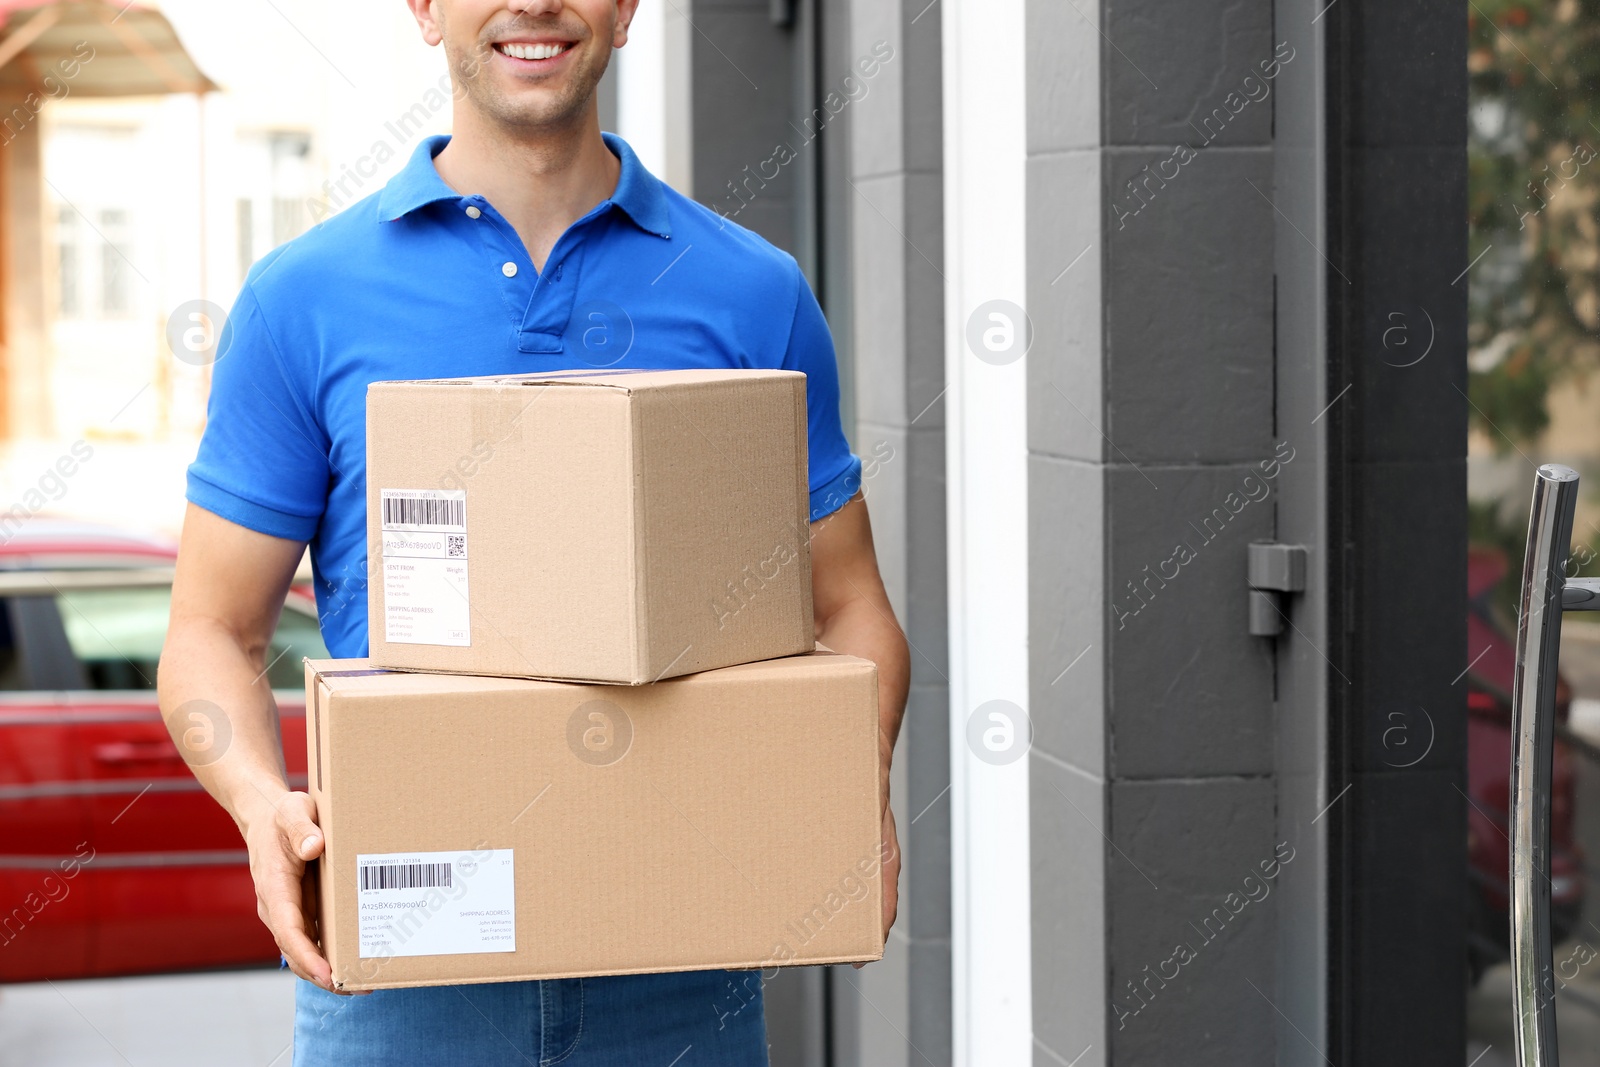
(1491, 650)
(113, 860)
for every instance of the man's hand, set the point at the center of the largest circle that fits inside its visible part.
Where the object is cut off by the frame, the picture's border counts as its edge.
(890, 840)
(853, 616)
(891, 870)
(890, 845)
(283, 838)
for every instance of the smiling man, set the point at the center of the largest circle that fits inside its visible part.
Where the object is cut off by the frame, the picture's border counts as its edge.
(528, 241)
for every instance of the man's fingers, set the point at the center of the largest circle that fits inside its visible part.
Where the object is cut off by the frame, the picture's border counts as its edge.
(297, 825)
(890, 873)
(284, 888)
(288, 928)
(286, 919)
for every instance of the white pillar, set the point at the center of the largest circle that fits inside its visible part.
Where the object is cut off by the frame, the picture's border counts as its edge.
(654, 113)
(985, 109)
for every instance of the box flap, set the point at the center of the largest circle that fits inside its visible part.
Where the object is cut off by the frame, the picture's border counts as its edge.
(356, 675)
(629, 380)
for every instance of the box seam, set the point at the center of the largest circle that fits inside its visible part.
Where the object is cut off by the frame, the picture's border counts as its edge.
(639, 517)
(807, 621)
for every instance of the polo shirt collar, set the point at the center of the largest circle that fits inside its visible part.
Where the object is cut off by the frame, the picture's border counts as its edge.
(418, 184)
(638, 191)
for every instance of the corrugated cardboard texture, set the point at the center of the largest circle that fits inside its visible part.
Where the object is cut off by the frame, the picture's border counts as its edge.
(738, 828)
(622, 527)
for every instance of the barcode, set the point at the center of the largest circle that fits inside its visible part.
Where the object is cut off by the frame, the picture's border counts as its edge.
(455, 545)
(424, 511)
(405, 876)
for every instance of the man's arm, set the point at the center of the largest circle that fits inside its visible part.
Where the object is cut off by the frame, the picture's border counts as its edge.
(853, 616)
(226, 598)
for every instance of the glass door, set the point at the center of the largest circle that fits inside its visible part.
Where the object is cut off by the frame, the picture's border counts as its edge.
(1533, 136)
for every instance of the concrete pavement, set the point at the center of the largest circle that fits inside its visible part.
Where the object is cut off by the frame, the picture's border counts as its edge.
(221, 1019)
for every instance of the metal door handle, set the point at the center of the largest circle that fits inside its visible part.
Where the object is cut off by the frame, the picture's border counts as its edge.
(1546, 593)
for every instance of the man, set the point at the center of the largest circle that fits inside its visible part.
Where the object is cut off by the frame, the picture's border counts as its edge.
(525, 242)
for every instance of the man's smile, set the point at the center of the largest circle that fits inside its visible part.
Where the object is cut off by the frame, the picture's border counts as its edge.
(533, 55)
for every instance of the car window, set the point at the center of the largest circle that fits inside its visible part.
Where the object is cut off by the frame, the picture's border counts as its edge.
(12, 677)
(116, 635)
(297, 638)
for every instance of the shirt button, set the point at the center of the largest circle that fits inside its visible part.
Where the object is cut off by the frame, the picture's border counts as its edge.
(509, 270)
(473, 212)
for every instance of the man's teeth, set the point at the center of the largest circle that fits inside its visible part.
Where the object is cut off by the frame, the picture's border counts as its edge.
(533, 51)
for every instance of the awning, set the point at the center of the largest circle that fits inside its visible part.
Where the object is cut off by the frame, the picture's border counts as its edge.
(134, 50)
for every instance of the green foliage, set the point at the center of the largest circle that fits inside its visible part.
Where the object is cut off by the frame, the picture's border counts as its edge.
(1533, 158)
(1509, 399)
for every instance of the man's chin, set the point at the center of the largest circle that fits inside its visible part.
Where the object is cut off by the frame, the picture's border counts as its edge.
(531, 111)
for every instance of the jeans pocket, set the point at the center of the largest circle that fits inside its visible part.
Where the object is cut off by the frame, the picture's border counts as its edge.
(560, 1019)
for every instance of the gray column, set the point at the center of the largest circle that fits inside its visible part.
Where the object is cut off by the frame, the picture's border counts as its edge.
(1150, 287)
(851, 90)
(755, 161)
(898, 1011)
(742, 85)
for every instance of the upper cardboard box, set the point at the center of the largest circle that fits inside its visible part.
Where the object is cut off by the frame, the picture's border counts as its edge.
(596, 526)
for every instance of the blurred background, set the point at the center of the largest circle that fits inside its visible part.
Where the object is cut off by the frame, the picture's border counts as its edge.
(1533, 317)
(197, 137)
(162, 152)
(152, 153)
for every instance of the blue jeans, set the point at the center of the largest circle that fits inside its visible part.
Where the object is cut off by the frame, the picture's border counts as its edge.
(689, 1019)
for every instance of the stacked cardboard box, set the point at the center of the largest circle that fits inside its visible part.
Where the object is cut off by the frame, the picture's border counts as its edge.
(594, 735)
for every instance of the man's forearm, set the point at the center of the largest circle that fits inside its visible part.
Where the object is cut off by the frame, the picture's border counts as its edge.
(219, 709)
(862, 628)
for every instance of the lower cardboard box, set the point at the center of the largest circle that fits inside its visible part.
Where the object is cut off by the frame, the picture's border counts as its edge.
(494, 829)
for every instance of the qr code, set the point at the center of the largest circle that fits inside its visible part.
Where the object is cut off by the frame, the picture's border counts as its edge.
(455, 545)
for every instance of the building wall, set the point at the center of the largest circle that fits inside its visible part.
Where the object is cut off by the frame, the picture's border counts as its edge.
(898, 1011)
(850, 88)
(26, 353)
(1150, 285)
(1178, 877)
(743, 87)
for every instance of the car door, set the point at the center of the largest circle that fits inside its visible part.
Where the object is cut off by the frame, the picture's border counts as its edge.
(46, 906)
(168, 879)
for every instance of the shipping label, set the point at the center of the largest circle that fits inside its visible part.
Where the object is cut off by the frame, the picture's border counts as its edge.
(436, 903)
(425, 567)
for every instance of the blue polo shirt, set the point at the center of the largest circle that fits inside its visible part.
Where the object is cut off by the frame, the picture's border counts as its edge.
(419, 281)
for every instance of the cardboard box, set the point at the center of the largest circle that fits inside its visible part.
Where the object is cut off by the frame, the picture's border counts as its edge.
(593, 526)
(488, 829)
